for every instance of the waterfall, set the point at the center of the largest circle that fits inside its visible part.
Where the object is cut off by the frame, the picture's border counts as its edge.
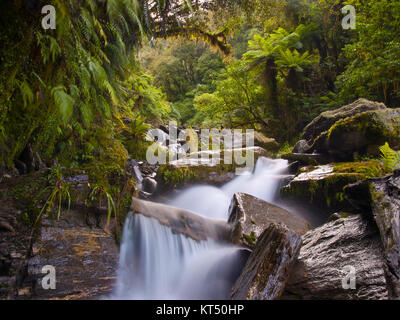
(214, 202)
(155, 263)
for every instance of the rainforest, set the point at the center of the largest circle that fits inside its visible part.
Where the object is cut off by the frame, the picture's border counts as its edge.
(308, 91)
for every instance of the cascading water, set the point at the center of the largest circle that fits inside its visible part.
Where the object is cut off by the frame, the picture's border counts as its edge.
(155, 263)
(214, 202)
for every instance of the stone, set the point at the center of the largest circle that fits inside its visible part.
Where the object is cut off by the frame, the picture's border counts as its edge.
(360, 135)
(301, 146)
(85, 258)
(250, 216)
(327, 252)
(306, 159)
(182, 221)
(149, 185)
(204, 167)
(320, 186)
(328, 118)
(270, 144)
(381, 197)
(267, 269)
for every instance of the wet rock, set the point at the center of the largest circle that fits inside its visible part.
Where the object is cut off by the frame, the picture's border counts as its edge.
(14, 248)
(338, 215)
(85, 259)
(207, 167)
(182, 221)
(269, 144)
(321, 186)
(360, 135)
(381, 197)
(328, 256)
(306, 159)
(132, 168)
(250, 216)
(149, 185)
(301, 146)
(267, 269)
(327, 119)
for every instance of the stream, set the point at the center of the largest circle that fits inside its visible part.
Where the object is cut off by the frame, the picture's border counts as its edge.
(158, 264)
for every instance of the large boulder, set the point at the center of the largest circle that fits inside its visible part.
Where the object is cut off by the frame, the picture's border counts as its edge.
(360, 135)
(250, 216)
(264, 142)
(182, 221)
(267, 269)
(326, 119)
(381, 197)
(329, 256)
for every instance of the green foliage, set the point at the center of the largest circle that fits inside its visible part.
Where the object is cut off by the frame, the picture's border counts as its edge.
(66, 91)
(183, 69)
(390, 158)
(374, 57)
(369, 169)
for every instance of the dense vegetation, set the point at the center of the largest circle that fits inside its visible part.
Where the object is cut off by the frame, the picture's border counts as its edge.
(291, 60)
(86, 92)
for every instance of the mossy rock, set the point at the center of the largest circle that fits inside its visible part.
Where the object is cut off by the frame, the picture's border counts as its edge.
(323, 186)
(269, 144)
(326, 119)
(208, 171)
(170, 176)
(360, 135)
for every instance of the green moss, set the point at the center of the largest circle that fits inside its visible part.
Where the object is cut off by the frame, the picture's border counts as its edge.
(368, 169)
(327, 191)
(250, 238)
(172, 176)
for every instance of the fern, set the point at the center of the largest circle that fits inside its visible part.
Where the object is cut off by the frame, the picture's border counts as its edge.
(63, 101)
(27, 94)
(389, 157)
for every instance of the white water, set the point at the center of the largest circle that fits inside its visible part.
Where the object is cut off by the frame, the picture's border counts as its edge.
(157, 264)
(214, 202)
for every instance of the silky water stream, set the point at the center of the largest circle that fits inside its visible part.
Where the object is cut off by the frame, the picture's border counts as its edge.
(155, 263)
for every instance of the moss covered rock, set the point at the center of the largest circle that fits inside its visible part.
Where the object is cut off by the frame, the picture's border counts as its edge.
(209, 171)
(323, 185)
(264, 142)
(360, 135)
(328, 118)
